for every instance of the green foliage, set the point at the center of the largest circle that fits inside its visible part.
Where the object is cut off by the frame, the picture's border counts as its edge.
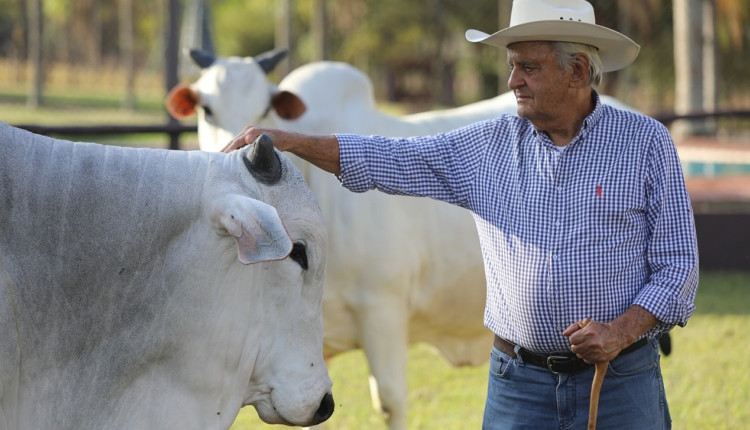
(421, 42)
(7, 24)
(244, 28)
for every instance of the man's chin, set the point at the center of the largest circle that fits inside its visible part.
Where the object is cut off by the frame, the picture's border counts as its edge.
(523, 113)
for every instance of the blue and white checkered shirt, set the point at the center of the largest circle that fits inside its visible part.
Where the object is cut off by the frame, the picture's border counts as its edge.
(586, 232)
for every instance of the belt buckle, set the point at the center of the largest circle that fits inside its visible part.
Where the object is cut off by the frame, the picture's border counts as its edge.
(554, 360)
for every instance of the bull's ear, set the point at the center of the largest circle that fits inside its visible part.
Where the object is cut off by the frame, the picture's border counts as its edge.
(181, 102)
(255, 226)
(287, 105)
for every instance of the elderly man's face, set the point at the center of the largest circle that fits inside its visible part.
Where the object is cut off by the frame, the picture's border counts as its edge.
(540, 86)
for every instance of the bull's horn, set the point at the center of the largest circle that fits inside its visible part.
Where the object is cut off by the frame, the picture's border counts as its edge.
(262, 161)
(203, 59)
(269, 60)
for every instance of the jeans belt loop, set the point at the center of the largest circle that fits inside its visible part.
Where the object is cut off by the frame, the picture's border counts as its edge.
(517, 352)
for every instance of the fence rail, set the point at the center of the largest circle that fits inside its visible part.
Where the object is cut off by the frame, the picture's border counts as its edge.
(173, 130)
(669, 117)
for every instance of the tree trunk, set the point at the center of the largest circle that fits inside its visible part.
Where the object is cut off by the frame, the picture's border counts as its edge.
(195, 34)
(127, 52)
(284, 32)
(171, 58)
(36, 92)
(503, 7)
(617, 83)
(318, 30)
(442, 84)
(688, 50)
(96, 34)
(710, 61)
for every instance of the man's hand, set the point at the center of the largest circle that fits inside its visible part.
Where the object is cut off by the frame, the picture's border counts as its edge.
(322, 151)
(249, 134)
(599, 342)
(595, 343)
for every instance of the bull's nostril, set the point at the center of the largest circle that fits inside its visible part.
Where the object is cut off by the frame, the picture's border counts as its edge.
(325, 410)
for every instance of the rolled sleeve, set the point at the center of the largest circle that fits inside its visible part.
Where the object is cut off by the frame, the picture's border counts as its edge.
(673, 252)
(672, 304)
(355, 174)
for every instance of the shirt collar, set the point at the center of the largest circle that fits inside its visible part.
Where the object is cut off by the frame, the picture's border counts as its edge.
(588, 123)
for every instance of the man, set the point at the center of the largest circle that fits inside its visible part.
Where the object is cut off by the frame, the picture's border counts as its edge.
(581, 210)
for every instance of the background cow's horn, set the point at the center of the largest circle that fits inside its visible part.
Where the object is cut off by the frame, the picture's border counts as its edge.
(269, 60)
(202, 58)
(262, 161)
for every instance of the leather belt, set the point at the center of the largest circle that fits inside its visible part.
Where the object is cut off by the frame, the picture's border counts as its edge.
(556, 363)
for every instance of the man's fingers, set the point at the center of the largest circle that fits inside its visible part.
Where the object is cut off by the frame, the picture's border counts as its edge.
(236, 143)
(571, 329)
(245, 138)
(228, 147)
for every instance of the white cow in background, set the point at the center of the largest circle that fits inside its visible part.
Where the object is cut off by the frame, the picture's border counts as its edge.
(127, 297)
(400, 270)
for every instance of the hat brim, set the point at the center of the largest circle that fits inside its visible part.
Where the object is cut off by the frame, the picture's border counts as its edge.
(615, 49)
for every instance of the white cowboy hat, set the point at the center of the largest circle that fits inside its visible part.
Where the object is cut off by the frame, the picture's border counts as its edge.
(563, 21)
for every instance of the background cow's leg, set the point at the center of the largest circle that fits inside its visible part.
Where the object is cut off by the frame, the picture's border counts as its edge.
(385, 343)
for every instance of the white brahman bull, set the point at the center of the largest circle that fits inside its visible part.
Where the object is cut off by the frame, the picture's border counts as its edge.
(124, 300)
(400, 270)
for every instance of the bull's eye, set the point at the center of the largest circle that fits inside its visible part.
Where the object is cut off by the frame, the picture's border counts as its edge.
(207, 110)
(299, 254)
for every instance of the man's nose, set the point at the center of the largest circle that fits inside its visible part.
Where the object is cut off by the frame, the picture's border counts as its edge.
(514, 80)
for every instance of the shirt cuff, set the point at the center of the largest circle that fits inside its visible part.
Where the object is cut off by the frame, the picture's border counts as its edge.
(664, 306)
(354, 170)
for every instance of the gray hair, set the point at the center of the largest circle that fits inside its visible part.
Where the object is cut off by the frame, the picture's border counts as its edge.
(566, 56)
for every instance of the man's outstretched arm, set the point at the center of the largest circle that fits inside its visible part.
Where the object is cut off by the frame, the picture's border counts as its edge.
(322, 151)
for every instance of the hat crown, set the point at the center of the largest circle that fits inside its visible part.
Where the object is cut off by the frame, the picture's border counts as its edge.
(525, 11)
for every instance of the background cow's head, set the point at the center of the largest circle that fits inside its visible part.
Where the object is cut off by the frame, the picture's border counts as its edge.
(233, 92)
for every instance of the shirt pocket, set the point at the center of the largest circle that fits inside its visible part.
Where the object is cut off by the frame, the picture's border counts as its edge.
(616, 209)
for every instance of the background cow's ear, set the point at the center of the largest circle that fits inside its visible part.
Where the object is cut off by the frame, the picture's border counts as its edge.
(257, 228)
(287, 105)
(181, 102)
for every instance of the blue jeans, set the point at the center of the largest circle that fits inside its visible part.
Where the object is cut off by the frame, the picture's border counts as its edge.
(525, 396)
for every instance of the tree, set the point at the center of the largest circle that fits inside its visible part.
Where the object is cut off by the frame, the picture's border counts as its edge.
(688, 59)
(710, 61)
(36, 30)
(127, 51)
(285, 33)
(195, 34)
(318, 28)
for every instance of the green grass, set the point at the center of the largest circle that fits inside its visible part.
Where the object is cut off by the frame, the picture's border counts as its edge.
(707, 376)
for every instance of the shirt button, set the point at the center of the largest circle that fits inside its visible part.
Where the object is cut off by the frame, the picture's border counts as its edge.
(559, 188)
(554, 257)
(557, 223)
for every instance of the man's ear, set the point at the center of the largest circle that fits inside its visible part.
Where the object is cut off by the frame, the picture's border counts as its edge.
(580, 68)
